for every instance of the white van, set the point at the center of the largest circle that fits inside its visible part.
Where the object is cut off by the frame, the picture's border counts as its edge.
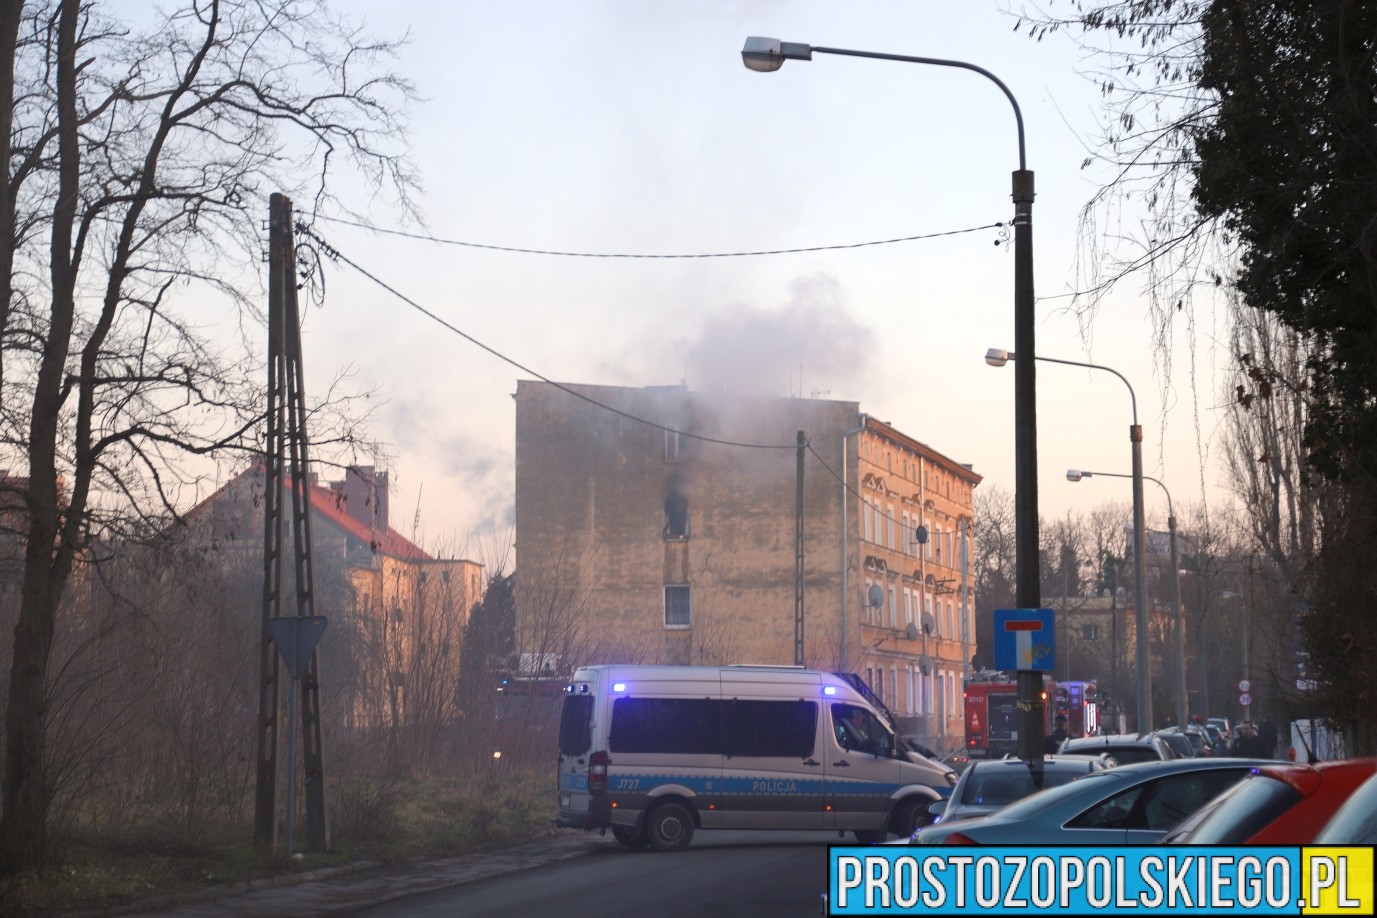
(655, 752)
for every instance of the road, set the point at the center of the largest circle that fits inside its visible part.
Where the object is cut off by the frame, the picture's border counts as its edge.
(721, 875)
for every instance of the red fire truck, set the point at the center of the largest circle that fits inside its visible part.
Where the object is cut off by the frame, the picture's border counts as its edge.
(992, 714)
(1078, 702)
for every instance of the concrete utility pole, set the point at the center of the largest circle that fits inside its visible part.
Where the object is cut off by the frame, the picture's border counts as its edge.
(286, 442)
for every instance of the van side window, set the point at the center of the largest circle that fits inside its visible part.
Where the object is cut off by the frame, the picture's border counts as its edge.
(687, 726)
(857, 730)
(783, 729)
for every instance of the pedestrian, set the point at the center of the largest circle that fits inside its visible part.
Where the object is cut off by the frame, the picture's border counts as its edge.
(1248, 745)
(1051, 743)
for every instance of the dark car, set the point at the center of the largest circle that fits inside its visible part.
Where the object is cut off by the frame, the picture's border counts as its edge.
(1276, 805)
(1126, 749)
(988, 784)
(1178, 743)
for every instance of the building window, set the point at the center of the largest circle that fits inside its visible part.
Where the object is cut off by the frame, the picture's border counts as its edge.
(674, 446)
(676, 516)
(893, 610)
(678, 608)
(1090, 632)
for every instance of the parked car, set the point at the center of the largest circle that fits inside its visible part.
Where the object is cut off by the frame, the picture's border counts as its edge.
(988, 784)
(1178, 743)
(1199, 737)
(1355, 823)
(1222, 725)
(1131, 804)
(1276, 805)
(1126, 749)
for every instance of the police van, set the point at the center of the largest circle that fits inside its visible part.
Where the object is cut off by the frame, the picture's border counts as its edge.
(656, 752)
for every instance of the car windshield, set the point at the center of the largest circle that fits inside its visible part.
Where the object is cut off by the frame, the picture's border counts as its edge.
(1054, 795)
(1356, 821)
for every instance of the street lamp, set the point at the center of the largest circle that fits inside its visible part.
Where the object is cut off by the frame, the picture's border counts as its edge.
(1178, 616)
(997, 357)
(768, 54)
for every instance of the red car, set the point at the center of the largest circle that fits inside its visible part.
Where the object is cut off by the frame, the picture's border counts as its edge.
(1280, 804)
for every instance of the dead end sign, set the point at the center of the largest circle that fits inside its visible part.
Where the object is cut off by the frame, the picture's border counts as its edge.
(1025, 639)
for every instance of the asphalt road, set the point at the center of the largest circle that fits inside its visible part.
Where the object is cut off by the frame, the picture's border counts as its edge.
(720, 875)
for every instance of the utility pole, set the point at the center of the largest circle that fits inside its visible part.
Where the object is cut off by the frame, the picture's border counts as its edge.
(287, 442)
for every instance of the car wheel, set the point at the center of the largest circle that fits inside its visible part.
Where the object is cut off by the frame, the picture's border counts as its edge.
(628, 837)
(912, 816)
(669, 827)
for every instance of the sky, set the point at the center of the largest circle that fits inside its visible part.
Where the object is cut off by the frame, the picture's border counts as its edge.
(620, 127)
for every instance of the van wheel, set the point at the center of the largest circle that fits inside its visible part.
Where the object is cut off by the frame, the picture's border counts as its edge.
(869, 836)
(669, 827)
(628, 837)
(912, 816)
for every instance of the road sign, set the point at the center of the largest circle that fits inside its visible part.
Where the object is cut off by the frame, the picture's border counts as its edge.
(295, 637)
(1244, 685)
(1025, 639)
(1245, 699)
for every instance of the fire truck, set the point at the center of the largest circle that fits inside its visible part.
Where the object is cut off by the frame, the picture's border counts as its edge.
(1079, 703)
(992, 717)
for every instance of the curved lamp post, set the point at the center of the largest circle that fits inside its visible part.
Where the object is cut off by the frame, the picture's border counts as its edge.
(996, 357)
(768, 54)
(1178, 615)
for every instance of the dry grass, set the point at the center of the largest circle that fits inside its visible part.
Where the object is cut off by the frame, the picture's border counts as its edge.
(389, 821)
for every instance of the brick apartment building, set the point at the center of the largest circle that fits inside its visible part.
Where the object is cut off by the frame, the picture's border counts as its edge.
(660, 525)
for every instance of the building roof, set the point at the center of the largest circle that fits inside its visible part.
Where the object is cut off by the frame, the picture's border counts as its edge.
(329, 504)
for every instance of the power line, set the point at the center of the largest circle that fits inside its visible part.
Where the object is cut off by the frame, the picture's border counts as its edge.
(336, 255)
(564, 254)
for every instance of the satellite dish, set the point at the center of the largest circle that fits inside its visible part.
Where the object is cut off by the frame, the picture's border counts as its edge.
(876, 597)
(920, 535)
(912, 631)
(929, 623)
(925, 664)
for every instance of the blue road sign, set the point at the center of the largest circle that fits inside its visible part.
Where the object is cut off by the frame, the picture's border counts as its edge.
(296, 637)
(1025, 639)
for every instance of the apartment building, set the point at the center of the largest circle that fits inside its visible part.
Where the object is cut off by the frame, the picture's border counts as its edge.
(663, 525)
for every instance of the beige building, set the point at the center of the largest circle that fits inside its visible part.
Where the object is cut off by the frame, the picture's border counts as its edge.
(661, 525)
(397, 615)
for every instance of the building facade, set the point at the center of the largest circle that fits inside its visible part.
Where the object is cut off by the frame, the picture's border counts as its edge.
(397, 615)
(663, 525)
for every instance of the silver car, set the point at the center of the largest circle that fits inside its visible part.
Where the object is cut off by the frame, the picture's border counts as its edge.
(1131, 804)
(987, 785)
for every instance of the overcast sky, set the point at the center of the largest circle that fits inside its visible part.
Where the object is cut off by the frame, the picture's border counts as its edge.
(632, 127)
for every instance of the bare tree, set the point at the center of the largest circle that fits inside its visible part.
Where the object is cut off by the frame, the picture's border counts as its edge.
(138, 159)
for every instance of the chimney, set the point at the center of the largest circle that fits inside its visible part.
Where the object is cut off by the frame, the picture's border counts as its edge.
(365, 496)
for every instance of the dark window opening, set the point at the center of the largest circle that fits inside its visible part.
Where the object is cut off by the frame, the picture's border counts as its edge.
(676, 516)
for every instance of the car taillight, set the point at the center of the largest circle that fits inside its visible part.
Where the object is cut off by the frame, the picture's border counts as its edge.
(597, 772)
(956, 838)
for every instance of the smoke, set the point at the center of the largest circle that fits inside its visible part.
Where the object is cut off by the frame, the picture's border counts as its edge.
(809, 345)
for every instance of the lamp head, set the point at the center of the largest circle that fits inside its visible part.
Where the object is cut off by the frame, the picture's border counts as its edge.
(1077, 475)
(767, 54)
(997, 357)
